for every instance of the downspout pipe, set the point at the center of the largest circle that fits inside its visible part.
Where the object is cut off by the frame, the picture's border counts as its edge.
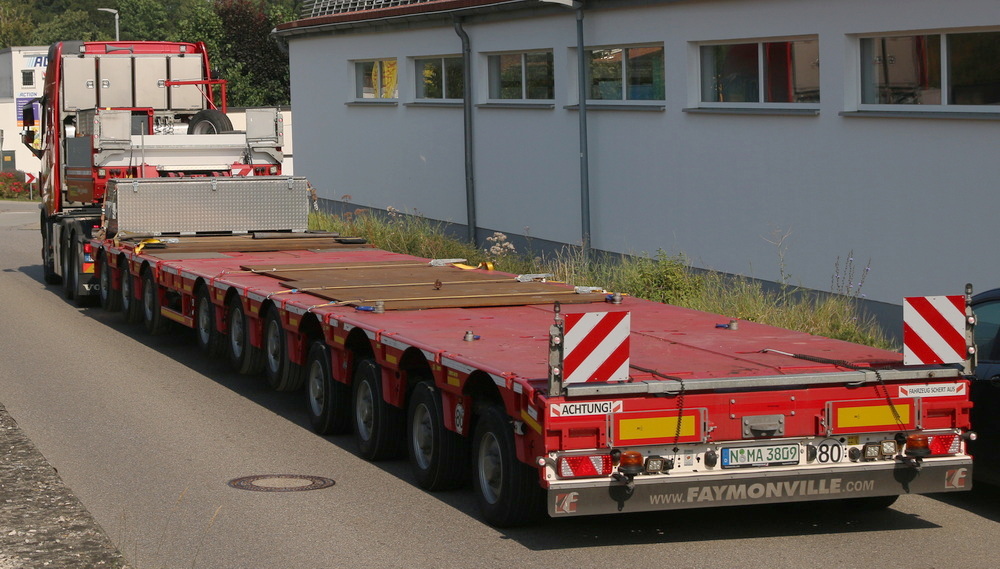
(470, 178)
(581, 59)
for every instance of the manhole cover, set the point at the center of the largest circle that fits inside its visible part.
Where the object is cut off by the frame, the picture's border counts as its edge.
(281, 483)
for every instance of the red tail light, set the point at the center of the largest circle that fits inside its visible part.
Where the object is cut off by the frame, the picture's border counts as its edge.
(945, 444)
(584, 465)
(88, 248)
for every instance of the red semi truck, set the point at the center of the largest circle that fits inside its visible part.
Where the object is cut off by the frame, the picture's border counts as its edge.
(547, 397)
(129, 110)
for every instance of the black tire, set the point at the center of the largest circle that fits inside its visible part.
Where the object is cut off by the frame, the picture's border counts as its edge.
(210, 341)
(280, 372)
(439, 458)
(131, 306)
(48, 258)
(243, 356)
(329, 401)
(379, 428)
(507, 490)
(111, 299)
(152, 318)
(209, 121)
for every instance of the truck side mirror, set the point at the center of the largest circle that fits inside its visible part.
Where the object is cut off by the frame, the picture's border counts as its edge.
(28, 138)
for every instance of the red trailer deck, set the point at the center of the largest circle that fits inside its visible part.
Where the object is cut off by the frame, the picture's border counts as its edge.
(444, 361)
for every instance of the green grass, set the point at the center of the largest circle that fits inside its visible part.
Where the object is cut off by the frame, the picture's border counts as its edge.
(660, 277)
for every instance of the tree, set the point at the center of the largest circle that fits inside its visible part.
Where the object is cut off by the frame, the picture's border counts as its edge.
(197, 21)
(15, 24)
(144, 19)
(70, 25)
(254, 63)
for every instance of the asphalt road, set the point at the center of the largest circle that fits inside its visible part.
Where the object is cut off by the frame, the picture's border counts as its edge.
(147, 433)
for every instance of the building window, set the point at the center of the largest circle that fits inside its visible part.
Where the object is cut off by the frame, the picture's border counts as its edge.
(760, 72)
(522, 76)
(440, 78)
(28, 78)
(376, 79)
(933, 69)
(625, 73)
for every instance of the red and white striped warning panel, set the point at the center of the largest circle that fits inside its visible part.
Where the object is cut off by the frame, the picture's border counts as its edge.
(241, 170)
(596, 347)
(934, 330)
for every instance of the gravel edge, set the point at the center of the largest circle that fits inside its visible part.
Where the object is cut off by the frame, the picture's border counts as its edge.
(42, 523)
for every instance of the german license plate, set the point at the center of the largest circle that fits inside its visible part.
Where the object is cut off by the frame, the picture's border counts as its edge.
(770, 455)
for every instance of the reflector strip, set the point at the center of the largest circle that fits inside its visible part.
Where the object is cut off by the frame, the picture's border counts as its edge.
(657, 427)
(862, 416)
(596, 347)
(934, 330)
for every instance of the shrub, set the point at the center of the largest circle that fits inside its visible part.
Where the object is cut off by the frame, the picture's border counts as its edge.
(12, 186)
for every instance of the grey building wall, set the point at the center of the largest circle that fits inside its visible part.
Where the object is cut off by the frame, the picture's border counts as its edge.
(914, 193)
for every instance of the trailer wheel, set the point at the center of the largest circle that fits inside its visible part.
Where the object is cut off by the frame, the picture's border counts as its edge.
(439, 458)
(210, 340)
(507, 489)
(329, 400)
(209, 121)
(379, 427)
(130, 304)
(152, 318)
(111, 300)
(281, 373)
(243, 356)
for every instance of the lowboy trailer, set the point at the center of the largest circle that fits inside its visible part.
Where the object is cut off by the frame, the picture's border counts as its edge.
(585, 401)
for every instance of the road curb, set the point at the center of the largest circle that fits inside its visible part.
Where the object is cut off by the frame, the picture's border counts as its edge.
(42, 524)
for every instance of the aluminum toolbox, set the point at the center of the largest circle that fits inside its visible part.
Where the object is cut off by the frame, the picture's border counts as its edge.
(159, 206)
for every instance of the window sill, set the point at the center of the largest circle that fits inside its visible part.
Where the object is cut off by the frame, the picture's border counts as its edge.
(921, 115)
(646, 107)
(373, 103)
(445, 104)
(542, 106)
(751, 111)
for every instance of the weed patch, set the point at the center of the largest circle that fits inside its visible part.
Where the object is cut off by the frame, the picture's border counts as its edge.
(660, 277)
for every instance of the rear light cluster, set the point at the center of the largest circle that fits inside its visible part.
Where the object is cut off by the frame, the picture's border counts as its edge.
(629, 463)
(583, 466)
(921, 445)
(915, 445)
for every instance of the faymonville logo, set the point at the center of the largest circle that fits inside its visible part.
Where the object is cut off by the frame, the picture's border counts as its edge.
(787, 489)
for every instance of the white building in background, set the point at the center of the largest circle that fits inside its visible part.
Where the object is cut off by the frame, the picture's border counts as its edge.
(22, 75)
(713, 129)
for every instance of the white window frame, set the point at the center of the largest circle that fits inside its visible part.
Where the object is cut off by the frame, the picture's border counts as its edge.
(524, 76)
(28, 73)
(697, 79)
(944, 107)
(418, 75)
(359, 78)
(624, 100)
